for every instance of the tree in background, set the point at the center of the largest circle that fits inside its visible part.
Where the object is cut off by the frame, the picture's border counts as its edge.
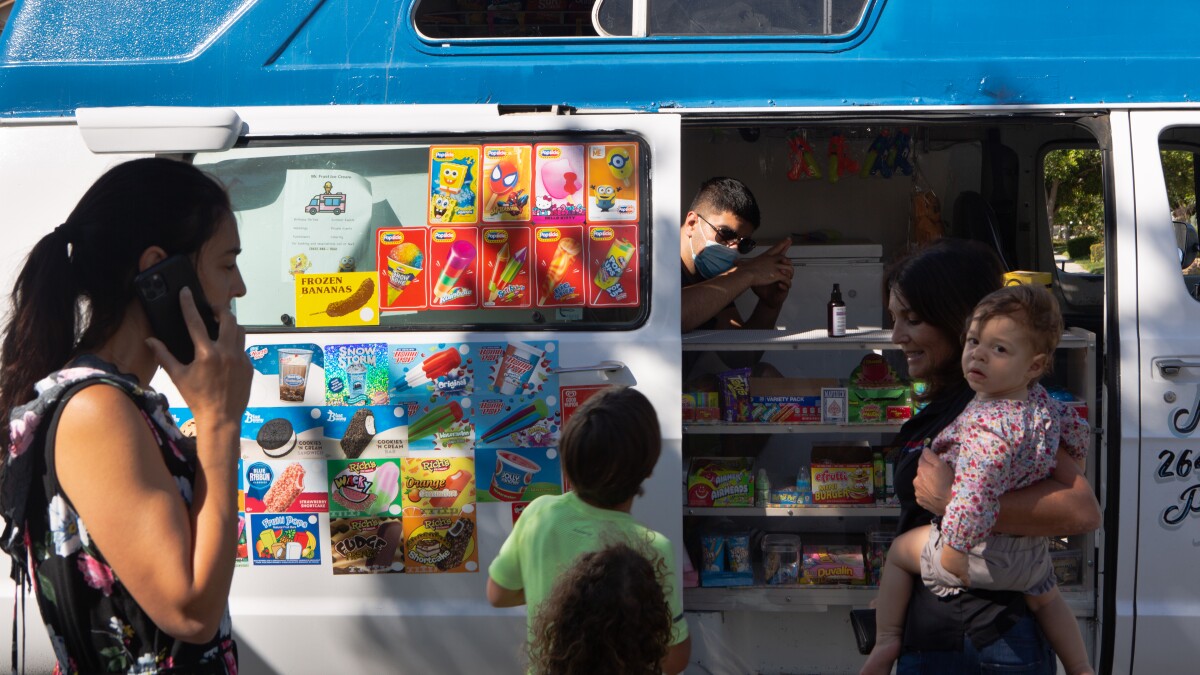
(1179, 170)
(1074, 192)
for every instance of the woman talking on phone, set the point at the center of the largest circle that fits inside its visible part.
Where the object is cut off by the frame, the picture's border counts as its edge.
(125, 527)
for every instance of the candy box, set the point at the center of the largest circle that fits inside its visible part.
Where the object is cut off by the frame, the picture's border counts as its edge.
(786, 400)
(701, 406)
(876, 393)
(735, 395)
(842, 475)
(721, 481)
(833, 564)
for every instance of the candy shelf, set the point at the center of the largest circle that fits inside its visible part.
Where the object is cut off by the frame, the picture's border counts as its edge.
(808, 511)
(796, 598)
(1078, 376)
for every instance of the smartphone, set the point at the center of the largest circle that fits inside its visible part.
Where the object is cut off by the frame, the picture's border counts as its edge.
(158, 289)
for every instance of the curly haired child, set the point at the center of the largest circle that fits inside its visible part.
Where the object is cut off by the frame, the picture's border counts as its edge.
(606, 614)
(1007, 438)
(609, 447)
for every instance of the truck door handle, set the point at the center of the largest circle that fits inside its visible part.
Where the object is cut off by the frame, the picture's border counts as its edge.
(1171, 367)
(606, 366)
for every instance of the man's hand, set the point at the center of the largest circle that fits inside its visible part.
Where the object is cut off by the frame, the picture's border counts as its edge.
(933, 481)
(768, 269)
(955, 562)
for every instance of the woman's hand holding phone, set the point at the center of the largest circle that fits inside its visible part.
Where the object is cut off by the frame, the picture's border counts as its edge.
(216, 384)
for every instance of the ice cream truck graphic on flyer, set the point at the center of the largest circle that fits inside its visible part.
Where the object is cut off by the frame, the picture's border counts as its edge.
(327, 202)
(519, 175)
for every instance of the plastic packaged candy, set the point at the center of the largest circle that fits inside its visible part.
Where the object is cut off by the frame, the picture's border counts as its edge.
(781, 559)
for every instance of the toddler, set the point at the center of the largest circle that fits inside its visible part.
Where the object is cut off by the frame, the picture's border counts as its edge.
(1006, 439)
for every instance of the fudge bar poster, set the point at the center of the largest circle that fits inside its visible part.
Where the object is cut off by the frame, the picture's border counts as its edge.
(366, 545)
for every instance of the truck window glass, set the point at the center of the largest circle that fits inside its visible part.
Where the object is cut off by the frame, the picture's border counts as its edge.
(465, 19)
(1178, 149)
(1073, 182)
(469, 233)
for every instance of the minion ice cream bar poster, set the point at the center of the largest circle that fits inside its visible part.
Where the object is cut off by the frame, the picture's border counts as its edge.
(285, 539)
(326, 222)
(612, 175)
(454, 184)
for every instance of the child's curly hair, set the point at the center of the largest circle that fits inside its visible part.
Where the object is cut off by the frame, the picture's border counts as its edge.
(606, 614)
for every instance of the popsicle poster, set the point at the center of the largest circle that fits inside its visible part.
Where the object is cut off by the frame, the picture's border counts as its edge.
(507, 183)
(366, 545)
(425, 372)
(285, 539)
(517, 474)
(436, 544)
(612, 171)
(364, 487)
(559, 265)
(507, 255)
(356, 374)
(558, 189)
(282, 486)
(400, 261)
(612, 265)
(377, 431)
(453, 184)
(453, 262)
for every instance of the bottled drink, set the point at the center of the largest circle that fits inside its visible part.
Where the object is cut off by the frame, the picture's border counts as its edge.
(804, 485)
(835, 314)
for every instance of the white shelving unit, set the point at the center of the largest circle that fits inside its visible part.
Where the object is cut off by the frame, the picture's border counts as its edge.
(1080, 378)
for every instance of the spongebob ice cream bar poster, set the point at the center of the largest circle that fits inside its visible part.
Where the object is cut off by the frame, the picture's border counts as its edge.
(454, 184)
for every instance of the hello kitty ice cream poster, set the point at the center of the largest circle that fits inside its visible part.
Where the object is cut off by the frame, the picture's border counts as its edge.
(558, 184)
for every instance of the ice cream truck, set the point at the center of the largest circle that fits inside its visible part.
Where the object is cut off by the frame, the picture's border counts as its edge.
(495, 234)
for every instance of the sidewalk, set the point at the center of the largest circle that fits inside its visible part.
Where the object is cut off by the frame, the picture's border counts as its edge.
(1065, 264)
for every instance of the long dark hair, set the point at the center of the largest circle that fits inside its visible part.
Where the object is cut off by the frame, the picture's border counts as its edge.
(77, 282)
(607, 614)
(942, 283)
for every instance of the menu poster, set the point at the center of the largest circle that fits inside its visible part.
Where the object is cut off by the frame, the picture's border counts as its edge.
(453, 184)
(612, 172)
(559, 189)
(507, 183)
(612, 272)
(285, 539)
(400, 261)
(507, 258)
(453, 263)
(325, 229)
(558, 265)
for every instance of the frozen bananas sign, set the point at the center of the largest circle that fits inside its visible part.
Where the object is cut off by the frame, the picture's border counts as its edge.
(346, 299)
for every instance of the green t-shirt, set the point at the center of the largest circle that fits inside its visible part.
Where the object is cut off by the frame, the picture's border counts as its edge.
(554, 531)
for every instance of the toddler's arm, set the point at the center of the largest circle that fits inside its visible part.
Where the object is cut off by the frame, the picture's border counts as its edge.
(983, 458)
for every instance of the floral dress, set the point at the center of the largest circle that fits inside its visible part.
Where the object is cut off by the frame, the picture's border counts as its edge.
(93, 621)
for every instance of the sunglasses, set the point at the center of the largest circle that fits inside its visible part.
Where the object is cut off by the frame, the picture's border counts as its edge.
(726, 234)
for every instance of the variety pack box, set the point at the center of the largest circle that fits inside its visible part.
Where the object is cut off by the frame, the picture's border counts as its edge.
(787, 400)
(876, 393)
(721, 481)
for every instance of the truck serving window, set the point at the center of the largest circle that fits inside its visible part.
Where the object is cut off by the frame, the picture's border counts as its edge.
(1179, 149)
(454, 19)
(464, 233)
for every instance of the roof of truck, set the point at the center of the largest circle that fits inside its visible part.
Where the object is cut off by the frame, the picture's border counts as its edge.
(56, 57)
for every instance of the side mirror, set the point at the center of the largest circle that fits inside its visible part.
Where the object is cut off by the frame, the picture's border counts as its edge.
(1187, 242)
